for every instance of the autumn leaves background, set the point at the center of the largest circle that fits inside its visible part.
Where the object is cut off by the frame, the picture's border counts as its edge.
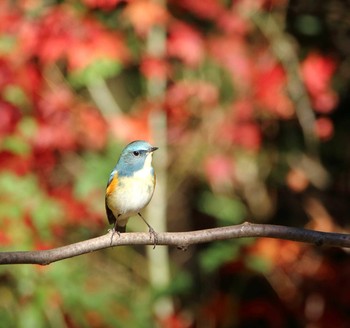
(249, 99)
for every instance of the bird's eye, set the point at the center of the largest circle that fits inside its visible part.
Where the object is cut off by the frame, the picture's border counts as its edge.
(136, 153)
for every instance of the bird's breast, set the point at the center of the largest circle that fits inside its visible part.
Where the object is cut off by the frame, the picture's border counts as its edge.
(132, 193)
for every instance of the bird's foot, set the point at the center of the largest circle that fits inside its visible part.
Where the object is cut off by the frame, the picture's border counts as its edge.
(113, 230)
(155, 236)
(151, 232)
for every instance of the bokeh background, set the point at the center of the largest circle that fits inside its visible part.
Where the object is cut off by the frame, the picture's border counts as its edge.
(248, 101)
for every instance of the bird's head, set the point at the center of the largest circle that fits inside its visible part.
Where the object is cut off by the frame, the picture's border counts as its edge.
(135, 156)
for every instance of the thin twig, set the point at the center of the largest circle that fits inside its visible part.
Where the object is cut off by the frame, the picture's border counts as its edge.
(285, 50)
(180, 239)
(103, 98)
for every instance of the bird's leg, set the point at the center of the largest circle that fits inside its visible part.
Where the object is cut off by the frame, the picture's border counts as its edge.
(151, 232)
(114, 229)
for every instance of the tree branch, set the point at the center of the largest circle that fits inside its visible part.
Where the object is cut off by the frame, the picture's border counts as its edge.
(180, 239)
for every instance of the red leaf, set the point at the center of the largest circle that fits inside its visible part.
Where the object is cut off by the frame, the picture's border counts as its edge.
(7, 75)
(218, 310)
(45, 160)
(233, 23)
(231, 52)
(243, 134)
(5, 239)
(185, 91)
(175, 321)
(131, 127)
(185, 43)
(55, 104)
(102, 4)
(19, 164)
(207, 9)
(55, 137)
(56, 126)
(91, 128)
(63, 34)
(96, 43)
(30, 79)
(75, 211)
(43, 245)
(243, 110)
(54, 34)
(219, 170)
(324, 128)
(9, 117)
(154, 68)
(317, 72)
(185, 100)
(247, 135)
(269, 5)
(271, 90)
(261, 310)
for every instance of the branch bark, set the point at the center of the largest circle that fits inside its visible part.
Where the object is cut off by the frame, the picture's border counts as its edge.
(180, 239)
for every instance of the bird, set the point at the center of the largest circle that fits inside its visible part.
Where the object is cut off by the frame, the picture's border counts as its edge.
(131, 186)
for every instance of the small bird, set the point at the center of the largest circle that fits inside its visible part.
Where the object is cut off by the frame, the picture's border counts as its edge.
(130, 186)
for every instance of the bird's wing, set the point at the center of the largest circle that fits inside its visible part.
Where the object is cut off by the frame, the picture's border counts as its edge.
(110, 215)
(111, 185)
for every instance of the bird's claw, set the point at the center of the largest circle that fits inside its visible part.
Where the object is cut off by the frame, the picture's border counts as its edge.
(113, 230)
(155, 236)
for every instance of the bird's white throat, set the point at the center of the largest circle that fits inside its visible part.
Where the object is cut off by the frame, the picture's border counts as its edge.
(144, 172)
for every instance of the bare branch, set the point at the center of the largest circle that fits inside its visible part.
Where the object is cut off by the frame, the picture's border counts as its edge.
(180, 239)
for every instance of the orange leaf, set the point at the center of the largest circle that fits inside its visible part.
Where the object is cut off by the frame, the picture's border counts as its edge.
(144, 14)
(130, 128)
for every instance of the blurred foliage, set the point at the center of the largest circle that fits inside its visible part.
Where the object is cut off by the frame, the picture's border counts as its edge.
(256, 104)
(226, 210)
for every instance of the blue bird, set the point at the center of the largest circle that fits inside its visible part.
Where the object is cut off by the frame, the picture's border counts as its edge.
(130, 186)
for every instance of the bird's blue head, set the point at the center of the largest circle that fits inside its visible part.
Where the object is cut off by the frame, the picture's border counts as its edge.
(134, 157)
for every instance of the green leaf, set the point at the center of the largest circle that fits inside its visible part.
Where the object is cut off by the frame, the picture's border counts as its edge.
(16, 145)
(226, 210)
(15, 95)
(44, 214)
(259, 264)
(100, 69)
(217, 254)
(95, 174)
(180, 284)
(31, 317)
(28, 127)
(44, 210)
(7, 44)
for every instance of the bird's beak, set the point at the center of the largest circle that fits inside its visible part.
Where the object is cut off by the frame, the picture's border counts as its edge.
(152, 149)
